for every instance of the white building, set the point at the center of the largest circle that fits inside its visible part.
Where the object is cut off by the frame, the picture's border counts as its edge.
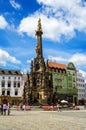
(85, 90)
(80, 86)
(10, 86)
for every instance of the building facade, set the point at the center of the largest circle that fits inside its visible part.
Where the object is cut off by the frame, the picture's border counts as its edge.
(64, 81)
(80, 87)
(85, 91)
(10, 86)
(71, 82)
(26, 90)
(58, 75)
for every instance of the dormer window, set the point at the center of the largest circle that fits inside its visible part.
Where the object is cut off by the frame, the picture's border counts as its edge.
(16, 72)
(9, 72)
(3, 71)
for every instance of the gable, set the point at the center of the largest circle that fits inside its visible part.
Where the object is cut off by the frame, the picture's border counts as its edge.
(71, 66)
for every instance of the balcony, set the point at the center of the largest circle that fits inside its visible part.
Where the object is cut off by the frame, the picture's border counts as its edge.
(67, 90)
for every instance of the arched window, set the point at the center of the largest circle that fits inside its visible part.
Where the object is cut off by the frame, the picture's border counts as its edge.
(18, 84)
(3, 83)
(9, 83)
(3, 92)
(16, 92)
(8, 93)
(14, 84)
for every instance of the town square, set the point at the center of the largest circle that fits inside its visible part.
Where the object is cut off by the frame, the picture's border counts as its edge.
(38, 119)
(43, 65)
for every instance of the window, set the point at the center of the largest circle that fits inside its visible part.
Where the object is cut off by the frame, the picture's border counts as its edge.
(69, 77)
(14, 77)
(8, 77)
(53, 70)
(18, 78)
(16, 72)
(73, 74)
(18, 84)
(3, 71)
(68, 72)
(9, 84)
(74, 80)
(8, 93)
(3, 83)
(9, 72)
(70, 85)
(16, 92)
(3, 92)
(73, 85)
(3, 77)
(56, 70)
(14, 84)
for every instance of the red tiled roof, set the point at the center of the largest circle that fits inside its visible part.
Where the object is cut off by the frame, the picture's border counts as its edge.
(56, 65)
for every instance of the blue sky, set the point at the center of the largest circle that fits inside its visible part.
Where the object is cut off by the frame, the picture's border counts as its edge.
(64, 32)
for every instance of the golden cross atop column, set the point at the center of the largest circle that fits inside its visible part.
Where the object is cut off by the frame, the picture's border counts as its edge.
(39, 25)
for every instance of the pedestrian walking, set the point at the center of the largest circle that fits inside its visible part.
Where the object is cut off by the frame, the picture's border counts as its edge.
(4, 108)
(1, 109)
(23, 107)
(8, 109)
(85, 106)
(58, 108)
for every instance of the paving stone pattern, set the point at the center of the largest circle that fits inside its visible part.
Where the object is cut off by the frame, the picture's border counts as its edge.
(44, 120)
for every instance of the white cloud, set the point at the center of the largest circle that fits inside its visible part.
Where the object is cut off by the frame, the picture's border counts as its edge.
(59, 18)
(57, 59)
(28, 61)
(78, 59)
(83, 74)
(51, 31)
(60, 3)
(47, 2)
(5, 57)
(28, 25)
(15, 4)
(3, 22)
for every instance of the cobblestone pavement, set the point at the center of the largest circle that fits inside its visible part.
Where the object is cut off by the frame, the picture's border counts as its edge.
(44, 120)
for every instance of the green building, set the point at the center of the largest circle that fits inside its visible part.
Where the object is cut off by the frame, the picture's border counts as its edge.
(64, 81)
(71, 81)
